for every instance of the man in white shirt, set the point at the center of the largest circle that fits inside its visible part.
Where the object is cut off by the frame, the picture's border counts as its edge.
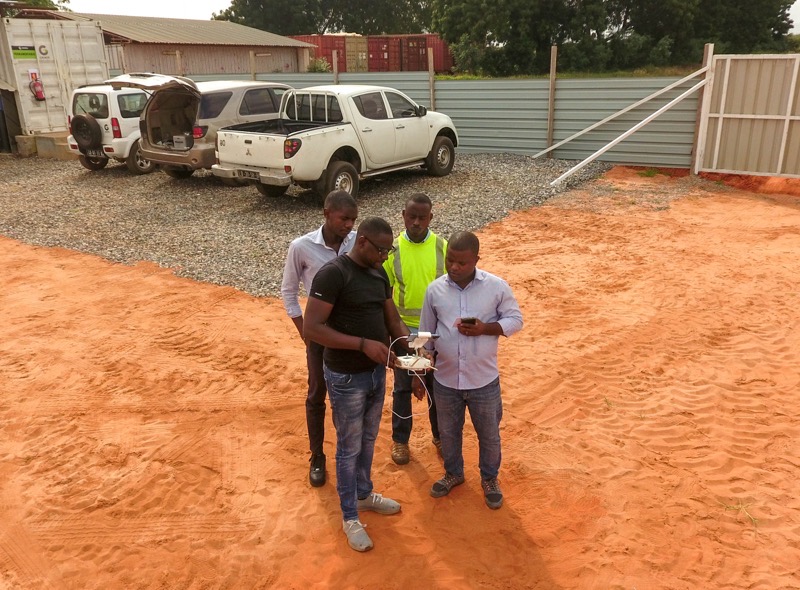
(306, 255)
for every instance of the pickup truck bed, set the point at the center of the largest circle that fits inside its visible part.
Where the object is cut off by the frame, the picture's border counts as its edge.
(277, 126)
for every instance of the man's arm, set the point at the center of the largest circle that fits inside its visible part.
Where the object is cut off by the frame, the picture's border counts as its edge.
(290, 287)
(509, 318)
(298, 323)
(315, 328)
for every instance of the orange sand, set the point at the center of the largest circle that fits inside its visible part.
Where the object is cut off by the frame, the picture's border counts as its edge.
(152, 430)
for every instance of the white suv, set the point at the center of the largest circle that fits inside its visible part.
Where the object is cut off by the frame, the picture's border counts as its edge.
(104, 122)
(180, 122)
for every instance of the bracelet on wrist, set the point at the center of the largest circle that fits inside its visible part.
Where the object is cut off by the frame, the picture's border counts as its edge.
(361, 345)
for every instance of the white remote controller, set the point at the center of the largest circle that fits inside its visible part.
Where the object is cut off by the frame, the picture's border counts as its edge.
(413, 363)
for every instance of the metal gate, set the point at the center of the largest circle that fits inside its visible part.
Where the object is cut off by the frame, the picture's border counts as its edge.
(750, 120)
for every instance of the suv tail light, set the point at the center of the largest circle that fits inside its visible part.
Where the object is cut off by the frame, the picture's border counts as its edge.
(115, 128)
(199, 131)
(291, 147)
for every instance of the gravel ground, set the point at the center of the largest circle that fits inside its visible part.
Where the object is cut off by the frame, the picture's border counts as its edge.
(234, 236)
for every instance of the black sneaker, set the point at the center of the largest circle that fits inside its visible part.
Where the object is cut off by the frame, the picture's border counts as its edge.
(447, 483)
(316, 474)
(492, 493)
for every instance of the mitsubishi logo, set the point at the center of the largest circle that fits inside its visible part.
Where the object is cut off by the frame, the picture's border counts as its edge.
(248, 152)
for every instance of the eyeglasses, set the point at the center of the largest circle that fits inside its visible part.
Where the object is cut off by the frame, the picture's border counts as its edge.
(381, 251)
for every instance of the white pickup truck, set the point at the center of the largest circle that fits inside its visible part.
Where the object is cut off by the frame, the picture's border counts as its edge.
(329, 137)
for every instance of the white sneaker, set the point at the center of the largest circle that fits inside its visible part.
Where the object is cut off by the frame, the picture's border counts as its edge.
(379, 504)
(357, 537)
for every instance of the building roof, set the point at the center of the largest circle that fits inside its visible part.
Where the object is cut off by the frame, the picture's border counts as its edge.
(176, 31)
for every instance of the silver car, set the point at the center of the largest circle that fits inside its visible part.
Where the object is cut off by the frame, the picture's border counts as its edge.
(180, 121)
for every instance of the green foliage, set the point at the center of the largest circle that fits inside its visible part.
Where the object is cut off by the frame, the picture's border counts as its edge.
(309, 17)
(47, 4)
(319, 65)
(514, 37)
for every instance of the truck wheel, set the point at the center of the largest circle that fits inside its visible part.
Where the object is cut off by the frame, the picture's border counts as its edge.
(93, 163)
(179, 173)
(269, 190)
(441, 157)
(341, 176)
(138, 164)
(86, 131)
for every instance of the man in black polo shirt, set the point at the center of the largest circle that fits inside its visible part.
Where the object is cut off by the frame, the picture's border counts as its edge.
(350, 312)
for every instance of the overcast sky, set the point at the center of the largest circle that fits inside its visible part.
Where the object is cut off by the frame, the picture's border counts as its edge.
(202, 9)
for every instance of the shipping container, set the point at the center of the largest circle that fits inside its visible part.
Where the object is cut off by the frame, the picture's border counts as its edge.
(325, 46)
(41, 62)
(356, 49)
(408, 53)
(442, 58)
(414, 56)
(384, 53)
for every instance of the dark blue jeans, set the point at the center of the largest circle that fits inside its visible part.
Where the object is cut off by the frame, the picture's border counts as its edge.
(401, 406)
(356, 403)
(485, 411)
(315, 401)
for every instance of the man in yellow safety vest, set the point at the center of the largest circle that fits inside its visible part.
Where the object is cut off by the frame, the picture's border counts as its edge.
(417, 260)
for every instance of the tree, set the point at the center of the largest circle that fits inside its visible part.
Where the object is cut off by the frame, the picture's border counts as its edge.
(284, 17)
(306, 17)
(513, 36)
(47, 4)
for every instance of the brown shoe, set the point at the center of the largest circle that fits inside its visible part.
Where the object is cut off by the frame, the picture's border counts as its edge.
(400, 453)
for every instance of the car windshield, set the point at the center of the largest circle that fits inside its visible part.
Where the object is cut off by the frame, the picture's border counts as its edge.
(90, 103)
(211, 104)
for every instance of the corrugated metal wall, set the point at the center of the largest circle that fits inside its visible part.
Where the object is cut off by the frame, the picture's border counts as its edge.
(200, 60)
(507, 115)
(666, 141)
(497, 115)
(752, 124)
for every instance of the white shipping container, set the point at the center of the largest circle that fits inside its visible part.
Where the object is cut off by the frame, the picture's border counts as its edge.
(61, 55)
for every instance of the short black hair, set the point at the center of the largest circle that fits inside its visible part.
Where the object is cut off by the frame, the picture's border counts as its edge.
(420, 199)
(373, 226)
(339, 200)
(464, 240)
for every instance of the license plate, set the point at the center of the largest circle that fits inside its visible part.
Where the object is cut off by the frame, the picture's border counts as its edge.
(247, 174)
(95, 153)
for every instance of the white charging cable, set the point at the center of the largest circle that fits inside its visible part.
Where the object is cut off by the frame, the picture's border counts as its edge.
(418, 376)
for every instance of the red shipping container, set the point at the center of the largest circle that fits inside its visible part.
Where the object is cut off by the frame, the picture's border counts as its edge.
(442, 58)
(414, 54)
(394, 53)
(384, 53)
(326, 44)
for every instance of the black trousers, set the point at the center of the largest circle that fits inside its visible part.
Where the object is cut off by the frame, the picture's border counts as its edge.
(315, 401)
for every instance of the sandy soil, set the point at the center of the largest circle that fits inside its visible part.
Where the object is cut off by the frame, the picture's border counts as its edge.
(152, 431)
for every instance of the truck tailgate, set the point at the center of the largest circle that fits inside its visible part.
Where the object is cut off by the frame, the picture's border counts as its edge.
(251, 150)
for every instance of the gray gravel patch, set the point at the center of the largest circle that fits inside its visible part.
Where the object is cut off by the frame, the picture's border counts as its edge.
(234, 236)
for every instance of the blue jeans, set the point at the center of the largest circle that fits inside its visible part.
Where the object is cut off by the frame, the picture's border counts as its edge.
(401, 406)
(485, 411)
(356, 403)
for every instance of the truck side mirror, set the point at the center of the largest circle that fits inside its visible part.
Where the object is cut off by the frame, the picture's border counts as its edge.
(421, 111)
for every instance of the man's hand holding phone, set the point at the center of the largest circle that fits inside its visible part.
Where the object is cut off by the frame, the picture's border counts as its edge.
(470, 326)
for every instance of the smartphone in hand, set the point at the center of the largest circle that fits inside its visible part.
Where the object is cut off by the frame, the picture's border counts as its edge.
(470, 321)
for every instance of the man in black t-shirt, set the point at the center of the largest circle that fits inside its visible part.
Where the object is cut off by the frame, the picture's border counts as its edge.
(350, 312)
